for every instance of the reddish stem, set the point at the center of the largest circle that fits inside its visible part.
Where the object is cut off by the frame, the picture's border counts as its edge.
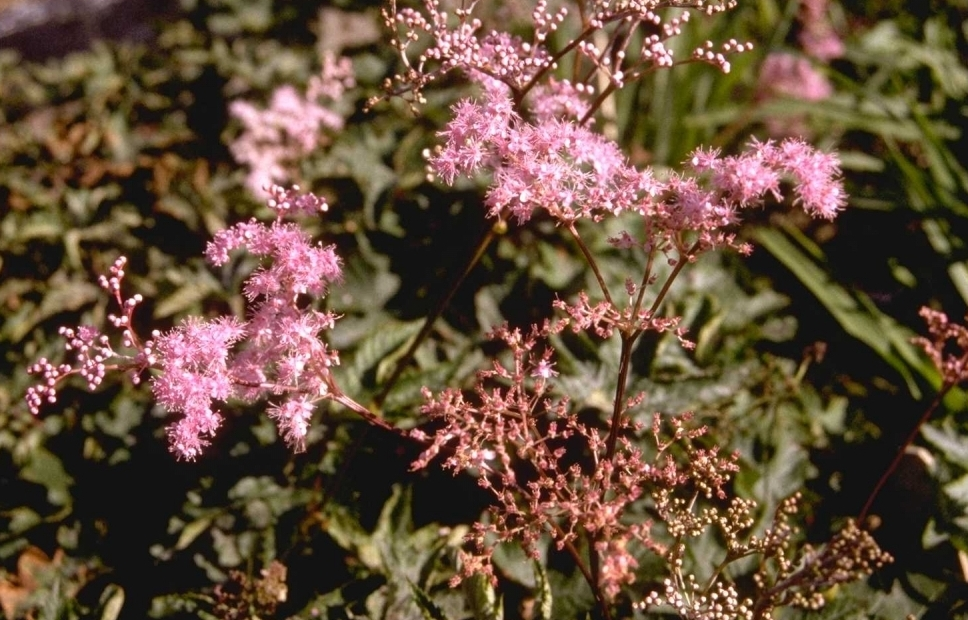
(945, 388)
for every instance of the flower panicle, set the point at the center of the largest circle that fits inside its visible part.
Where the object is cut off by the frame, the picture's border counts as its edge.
(946, 346)
(570, 172)
(453, 37)
(277, 352)
(273, 139)
(94, 356)
(548, 468)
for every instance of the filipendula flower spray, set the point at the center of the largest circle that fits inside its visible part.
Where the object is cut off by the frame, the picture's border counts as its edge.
(531, 132)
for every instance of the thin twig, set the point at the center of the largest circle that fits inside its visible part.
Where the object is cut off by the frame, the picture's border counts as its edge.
(438, 310)
(861, 516)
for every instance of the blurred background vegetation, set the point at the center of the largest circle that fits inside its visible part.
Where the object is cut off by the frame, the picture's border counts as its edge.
(803, 361)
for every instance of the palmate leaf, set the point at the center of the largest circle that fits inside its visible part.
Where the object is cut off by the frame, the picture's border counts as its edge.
(403, 555)
(383, 343)
(947, 441)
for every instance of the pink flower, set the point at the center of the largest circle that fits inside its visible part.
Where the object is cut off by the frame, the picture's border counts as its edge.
(789, 75)
(817, 183)
(277, 353)
(194, 363)
(279, 348)
(818, 37)
(474, 137)
(293, 416)
(559, 100)
(275, 138)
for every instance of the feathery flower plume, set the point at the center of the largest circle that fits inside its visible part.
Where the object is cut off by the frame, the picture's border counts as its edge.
(277, 353)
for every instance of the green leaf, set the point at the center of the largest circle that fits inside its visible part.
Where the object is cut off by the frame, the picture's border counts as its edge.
(573, 598)
(359, 155)
(348, 534)
(192, 289)
(112, 600)
(193, 530)
(44, 468)
(556, 267)
(855, 313)
(949, 442)
(958, 490)
(428, 608)
(514, 564)
(544, 607)
(64, 295)
(407, 392)
(403, 555)
(381, 346)
(858, 600)
(482, 598)
(21, 519)
(367, 283)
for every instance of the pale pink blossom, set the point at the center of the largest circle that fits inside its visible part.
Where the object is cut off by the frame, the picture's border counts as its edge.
(793, 76)
(294, 124)
(276, 353)
(193, 359)
(817, 35)
(559, 99)
(568, 172)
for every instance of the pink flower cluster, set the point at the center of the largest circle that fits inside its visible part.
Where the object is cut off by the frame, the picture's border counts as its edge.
(533, 137)
(789, 75)
(569, 172)
(277, 353)
(818, 37)
(550, 472)
(796, 76)
(456, 40)
(274, 139)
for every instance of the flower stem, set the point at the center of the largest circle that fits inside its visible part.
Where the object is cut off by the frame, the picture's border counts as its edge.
(590, 259)
(625, 358)
(438, 310)
(862, 515)
(586, 573)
